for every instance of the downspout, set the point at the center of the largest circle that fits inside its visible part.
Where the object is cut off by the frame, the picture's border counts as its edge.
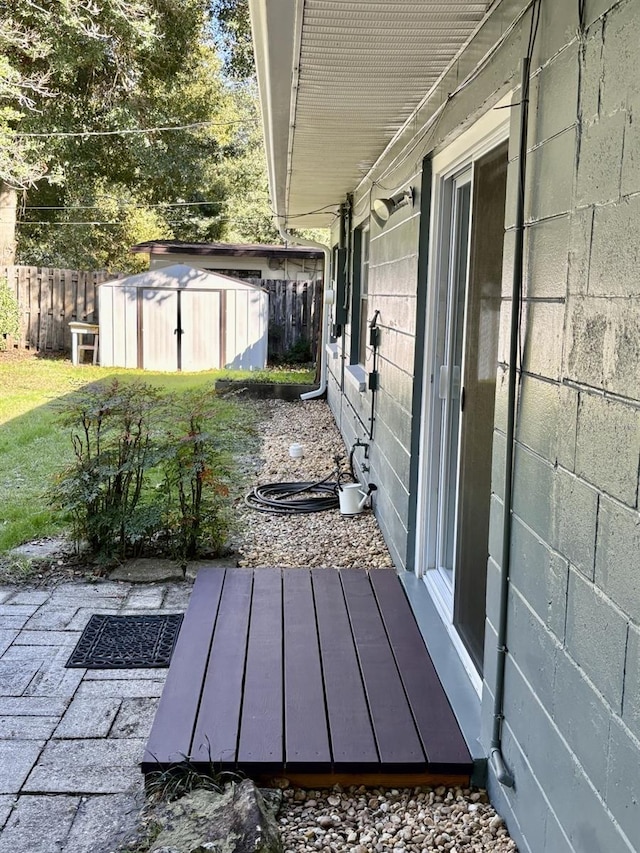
(326, 314)
(503, 775)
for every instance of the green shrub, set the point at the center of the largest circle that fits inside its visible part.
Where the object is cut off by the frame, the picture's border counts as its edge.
(9, 314)
(150, 473)
(197, 465)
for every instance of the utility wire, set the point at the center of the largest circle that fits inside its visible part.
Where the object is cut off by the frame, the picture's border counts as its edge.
(57, 134)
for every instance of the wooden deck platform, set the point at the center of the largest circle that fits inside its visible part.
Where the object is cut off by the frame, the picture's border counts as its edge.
(315, 675)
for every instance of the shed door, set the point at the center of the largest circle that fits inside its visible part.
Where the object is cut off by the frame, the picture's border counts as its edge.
(159, 323)
(201, 329)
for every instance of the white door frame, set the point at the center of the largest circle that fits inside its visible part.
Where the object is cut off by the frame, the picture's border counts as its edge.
(484, 135)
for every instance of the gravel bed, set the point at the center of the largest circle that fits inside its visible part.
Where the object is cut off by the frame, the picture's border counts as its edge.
(323, 539)
(356, 820)
(406, 820)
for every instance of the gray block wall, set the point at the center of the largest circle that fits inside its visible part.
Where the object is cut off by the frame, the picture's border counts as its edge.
(572, 718)
(572, 690)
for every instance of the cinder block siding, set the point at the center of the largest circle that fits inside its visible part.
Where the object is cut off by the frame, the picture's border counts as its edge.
(572, 708)
(393, 281)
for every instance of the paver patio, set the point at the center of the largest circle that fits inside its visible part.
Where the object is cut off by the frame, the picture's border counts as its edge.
(71, 739)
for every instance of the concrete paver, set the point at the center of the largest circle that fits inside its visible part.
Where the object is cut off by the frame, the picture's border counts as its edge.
(15, 677)
(71, 739)
(27, 728)
(116, 814)
(17, 757)
(39, 825)
(7, 802)
(88, 717)
(100, 766)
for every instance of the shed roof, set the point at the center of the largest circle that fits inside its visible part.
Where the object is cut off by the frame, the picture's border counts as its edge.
(339, 79)
(182, 276)
(262, 250)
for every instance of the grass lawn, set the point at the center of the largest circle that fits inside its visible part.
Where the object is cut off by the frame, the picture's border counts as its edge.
(33, 446)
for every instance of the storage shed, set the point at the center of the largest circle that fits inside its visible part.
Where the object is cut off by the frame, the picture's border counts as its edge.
(182, 318)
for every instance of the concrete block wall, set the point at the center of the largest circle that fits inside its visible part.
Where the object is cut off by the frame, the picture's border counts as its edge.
(572, 691)
(392, 291)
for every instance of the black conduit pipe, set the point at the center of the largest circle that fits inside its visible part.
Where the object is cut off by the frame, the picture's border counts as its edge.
(497, 759)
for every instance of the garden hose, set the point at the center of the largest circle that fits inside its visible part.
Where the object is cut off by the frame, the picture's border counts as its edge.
(288, 498)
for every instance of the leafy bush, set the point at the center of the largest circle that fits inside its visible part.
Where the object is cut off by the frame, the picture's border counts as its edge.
(196, 463)
(9, 314)
(150, 471)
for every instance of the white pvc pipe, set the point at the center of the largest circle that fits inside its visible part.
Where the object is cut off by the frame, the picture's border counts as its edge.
(326, 316)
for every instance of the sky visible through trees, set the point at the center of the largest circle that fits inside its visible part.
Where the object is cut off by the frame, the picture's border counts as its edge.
(128, 120)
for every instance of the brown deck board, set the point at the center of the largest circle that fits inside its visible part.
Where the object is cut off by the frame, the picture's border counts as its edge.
(215, 737)
(352, 739)
(442, 742)
(318, 675)
(261, 724)
(305, 721)
(393, 724)
(172, 730)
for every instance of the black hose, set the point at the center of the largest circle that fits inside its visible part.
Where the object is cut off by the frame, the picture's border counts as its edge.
(286, 498)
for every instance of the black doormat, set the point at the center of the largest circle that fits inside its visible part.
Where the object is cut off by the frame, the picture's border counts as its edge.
(126, 642)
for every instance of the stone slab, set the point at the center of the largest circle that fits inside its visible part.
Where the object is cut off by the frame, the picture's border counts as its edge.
(153, 674)
(15, 677)
(6, 638)
(6, 594)
(47, 638)
(52, 618)
(56, 680)
(17, 757)
(147, 570)
(145, 598)
(33, 706)
(39, 825)
(7, 802)
(103, 822)
(13, 727)
(88, 717)
(91, 766)
(83, 614)
(14, 621)
(134, 718)
(31, 596)
(122, 688)
(13, 609)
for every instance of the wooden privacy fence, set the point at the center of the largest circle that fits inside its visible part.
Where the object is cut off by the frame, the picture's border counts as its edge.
(295, 313)
(50, 299)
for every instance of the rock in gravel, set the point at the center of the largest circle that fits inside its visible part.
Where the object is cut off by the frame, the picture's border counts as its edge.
(235, 821)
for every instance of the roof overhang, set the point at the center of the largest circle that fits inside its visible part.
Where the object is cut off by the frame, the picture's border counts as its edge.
(237, 250)
(338, 80)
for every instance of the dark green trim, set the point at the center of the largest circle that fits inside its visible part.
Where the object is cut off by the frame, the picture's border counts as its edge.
(418, 362)
(356, 275)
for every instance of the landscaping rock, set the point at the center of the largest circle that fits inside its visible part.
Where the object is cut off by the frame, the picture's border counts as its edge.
(147, 570)
(236, 821)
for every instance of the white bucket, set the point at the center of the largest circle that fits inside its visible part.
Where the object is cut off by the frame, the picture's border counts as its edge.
(296, 451)
(352, 499)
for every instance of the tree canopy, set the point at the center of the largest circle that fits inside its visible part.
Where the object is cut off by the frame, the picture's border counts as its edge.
(119, 124)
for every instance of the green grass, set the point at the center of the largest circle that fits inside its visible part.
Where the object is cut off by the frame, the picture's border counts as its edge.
(33, 445)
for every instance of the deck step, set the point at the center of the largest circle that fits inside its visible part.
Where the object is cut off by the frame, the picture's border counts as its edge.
(316, 675)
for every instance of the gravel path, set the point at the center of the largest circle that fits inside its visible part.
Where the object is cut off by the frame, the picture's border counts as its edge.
(357, 820)
(408, 820)
(316, 539)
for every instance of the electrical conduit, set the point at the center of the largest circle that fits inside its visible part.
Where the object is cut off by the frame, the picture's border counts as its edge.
(497, 759)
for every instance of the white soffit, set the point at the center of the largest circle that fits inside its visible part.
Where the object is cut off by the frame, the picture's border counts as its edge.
(347, 74)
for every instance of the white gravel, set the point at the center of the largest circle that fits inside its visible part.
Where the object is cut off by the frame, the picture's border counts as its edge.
(406, 820)
(322, 539)
(355, 820)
